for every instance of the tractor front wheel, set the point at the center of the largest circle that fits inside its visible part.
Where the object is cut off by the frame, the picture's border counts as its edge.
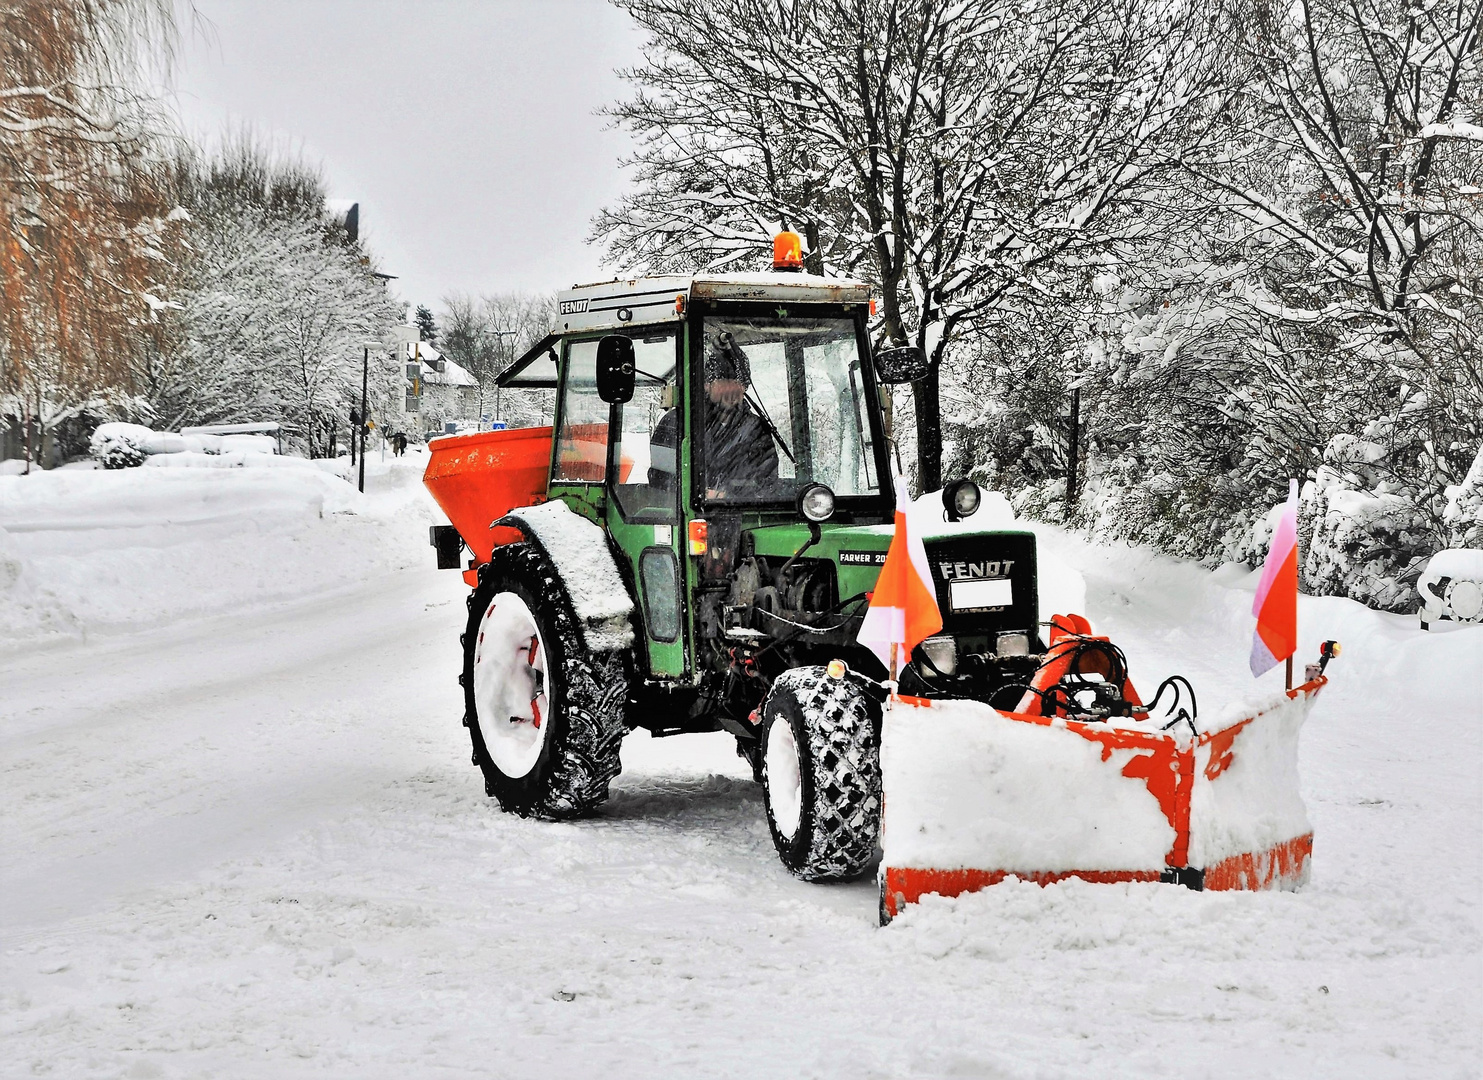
(544, 714)
(821, 774)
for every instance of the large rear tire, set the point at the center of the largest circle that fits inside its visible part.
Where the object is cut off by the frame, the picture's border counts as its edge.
(821, 774)
(544, 714)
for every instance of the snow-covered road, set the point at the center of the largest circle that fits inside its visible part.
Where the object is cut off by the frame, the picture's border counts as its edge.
(250, 844)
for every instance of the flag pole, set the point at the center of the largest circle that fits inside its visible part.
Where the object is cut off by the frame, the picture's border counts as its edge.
(1297, 547)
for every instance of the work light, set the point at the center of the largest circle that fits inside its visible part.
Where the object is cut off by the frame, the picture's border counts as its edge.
(960, 499)
(816, 502)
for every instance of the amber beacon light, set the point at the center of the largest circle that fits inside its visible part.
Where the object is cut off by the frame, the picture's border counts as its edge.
(787, 251)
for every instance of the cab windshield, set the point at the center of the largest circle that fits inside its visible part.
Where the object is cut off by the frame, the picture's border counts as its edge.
(783, 405)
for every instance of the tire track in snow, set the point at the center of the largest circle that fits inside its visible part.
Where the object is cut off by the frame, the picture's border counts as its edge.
(148, 759)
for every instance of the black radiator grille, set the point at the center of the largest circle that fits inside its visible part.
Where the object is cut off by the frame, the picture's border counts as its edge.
(987, 558)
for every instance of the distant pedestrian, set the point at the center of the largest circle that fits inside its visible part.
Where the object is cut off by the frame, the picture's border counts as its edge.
(399, 443)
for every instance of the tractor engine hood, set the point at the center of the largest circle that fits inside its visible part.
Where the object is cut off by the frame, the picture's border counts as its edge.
(858, 550)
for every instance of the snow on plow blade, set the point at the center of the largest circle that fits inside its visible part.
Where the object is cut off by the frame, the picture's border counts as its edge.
(974, 795)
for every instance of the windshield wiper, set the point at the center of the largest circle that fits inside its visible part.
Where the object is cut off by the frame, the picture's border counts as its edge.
(757, 407)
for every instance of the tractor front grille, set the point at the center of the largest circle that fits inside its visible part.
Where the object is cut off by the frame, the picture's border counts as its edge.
(980, 565)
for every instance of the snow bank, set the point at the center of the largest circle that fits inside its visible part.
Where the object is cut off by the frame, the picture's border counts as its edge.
(100, 550)
(248, 459)
(120, 445)
(1172, 615)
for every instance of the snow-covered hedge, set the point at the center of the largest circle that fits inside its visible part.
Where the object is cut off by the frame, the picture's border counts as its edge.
(125, 446)
(1367, 545)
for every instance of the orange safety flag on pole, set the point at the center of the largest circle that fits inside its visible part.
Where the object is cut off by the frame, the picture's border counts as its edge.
(1276, 602)
(903, 609)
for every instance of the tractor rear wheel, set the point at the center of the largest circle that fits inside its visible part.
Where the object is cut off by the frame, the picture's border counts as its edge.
(821, 774)
(545, 715)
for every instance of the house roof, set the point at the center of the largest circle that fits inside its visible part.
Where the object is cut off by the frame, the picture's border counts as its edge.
(452, 374)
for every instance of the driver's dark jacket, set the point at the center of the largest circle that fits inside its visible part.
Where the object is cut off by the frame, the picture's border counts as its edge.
(739, 449)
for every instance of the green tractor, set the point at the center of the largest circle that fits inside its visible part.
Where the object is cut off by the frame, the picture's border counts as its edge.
(692, 543)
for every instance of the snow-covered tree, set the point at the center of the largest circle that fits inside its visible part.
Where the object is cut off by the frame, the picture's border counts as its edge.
(81, 200)
(485, 334)
(275, 306)
(427, 326)
(1322, 319)
(967, 157)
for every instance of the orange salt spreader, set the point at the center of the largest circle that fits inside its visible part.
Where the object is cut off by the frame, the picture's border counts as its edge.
(478, 478)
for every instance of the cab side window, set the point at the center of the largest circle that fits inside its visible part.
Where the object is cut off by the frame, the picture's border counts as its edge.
(647, 455)
(582, 442)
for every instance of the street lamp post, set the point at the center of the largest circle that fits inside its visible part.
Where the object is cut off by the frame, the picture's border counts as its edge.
(365, 416)
(365, 376)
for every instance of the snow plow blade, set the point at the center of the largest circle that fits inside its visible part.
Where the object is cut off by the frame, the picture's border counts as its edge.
(479, 477)
(974, 795)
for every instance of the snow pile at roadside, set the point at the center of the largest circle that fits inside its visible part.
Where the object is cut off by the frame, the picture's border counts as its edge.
(122, 446)
(95, 550)
(1172, 615)
(244, 459)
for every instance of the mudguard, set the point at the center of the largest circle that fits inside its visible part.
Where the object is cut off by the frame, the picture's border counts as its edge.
(579, 551)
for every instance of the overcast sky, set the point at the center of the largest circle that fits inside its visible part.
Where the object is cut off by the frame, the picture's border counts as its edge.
(466, 129)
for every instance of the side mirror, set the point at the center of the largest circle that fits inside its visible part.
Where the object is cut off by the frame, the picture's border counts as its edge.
(615, 369)
(903, 364)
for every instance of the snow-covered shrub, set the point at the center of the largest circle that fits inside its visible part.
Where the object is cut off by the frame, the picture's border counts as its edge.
(120, 446)
(1368, 545)
(1463, 514)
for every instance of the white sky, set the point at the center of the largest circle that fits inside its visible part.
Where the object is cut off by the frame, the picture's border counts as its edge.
(466, 129)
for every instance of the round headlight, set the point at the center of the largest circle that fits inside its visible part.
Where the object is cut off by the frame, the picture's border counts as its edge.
(816, 502)
(961, 499)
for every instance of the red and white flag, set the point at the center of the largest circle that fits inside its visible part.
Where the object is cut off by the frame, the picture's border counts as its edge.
(1276, 603)
(903, 609)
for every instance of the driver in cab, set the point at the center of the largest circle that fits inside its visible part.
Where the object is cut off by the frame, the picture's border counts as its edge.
(741, 459)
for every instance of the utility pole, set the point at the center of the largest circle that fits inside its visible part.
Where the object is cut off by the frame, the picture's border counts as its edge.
(365, 374)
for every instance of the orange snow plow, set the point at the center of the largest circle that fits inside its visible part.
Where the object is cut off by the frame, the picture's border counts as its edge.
(1062, 787)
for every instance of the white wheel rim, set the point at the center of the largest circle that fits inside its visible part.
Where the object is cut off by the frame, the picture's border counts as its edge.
(510, 685)
(1465, 598)
(784, 778)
